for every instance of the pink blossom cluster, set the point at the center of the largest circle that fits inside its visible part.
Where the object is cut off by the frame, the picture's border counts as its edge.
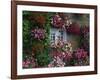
(66, 23)
(80, 54)
(62, 55)
(60, 58)
(57, 62)
(29, 62)
(57, 21)
(38, 33)
(67, 56)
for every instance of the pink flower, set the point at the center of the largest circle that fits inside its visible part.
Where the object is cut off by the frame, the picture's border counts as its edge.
(25, 65)
(68, 56)
(29, 62)
(57, 62)
(38, 34)
(57, 21)
(80, 54)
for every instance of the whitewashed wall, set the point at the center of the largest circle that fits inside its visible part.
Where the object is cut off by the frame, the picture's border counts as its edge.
(57, 33)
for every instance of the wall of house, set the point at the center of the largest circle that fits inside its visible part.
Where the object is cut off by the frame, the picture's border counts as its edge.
(74, 39)
(57, 33)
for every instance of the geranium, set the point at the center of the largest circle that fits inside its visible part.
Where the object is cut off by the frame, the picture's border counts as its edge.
(38, 33)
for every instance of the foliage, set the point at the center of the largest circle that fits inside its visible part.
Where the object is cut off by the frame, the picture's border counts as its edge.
(43, 58)
(34, 24)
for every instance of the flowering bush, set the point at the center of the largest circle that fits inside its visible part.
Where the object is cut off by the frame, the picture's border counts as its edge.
(61, 21)
(85, 38)
(65, 22)
(67, 57)
(60, 58)
(57, 62)
(29, 62)
(38, 33)
(62, 53)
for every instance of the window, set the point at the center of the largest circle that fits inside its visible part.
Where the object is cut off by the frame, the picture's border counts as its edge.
(52, 37)
(61, 35)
